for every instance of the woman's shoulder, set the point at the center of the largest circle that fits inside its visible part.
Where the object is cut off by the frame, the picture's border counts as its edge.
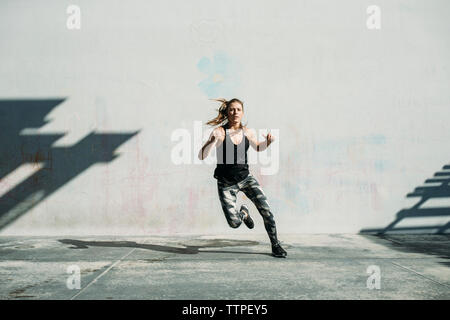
(249, 131)
(219, 133)
(220, 129)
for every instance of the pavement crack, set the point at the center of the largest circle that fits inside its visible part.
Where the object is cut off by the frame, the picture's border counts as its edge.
(17, 293)
(160, 259)
(102, 274)
(419, 274)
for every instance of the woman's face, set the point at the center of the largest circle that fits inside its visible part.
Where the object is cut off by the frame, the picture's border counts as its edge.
(235, 113)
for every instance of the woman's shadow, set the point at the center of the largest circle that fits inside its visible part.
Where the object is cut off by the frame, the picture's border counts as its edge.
(188, 249)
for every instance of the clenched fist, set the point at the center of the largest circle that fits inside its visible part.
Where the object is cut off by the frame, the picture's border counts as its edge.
(269, 138)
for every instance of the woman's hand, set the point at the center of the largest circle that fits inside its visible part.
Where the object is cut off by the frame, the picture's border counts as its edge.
(269, 138)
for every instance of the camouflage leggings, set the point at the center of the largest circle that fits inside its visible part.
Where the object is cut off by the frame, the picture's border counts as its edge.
(252, 189)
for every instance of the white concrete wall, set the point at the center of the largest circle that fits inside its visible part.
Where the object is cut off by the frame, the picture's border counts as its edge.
(363, 115)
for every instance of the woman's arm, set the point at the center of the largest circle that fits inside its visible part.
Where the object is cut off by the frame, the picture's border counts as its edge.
(215, 136)
(259, 146)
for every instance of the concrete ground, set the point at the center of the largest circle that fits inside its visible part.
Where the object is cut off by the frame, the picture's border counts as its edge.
(321, 266)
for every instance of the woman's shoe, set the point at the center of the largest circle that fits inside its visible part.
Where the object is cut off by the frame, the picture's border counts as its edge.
(278, 251)
(247, 220)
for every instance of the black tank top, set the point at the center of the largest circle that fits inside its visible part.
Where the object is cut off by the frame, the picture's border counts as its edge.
(232, 164)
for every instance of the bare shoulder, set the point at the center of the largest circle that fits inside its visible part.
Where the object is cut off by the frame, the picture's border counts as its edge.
(219, 133)
(249, 132)
(219, 130)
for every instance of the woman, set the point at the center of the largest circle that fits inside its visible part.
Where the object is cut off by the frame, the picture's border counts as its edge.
(232, 140)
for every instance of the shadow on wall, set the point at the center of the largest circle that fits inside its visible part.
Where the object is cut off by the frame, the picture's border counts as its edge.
(57, 165)
(424, 193)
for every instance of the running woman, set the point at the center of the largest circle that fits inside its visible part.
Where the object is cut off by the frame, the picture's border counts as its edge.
(232, 140)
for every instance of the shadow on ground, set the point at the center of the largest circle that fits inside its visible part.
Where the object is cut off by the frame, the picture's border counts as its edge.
(186, 249)
(436, 245)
